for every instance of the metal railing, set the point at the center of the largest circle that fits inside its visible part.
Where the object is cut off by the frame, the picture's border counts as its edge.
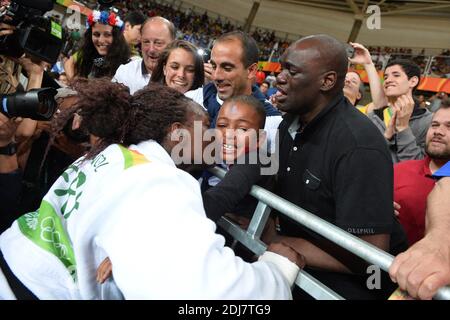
(312, 286)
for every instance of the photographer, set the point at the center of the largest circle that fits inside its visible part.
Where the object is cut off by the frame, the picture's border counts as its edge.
(16, 133)
(9, 80)
(10, 176)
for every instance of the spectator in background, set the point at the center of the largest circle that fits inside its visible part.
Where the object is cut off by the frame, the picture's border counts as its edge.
(271, 79)
(401, 120)
(156, 34)
(353, 88)
(436, 100)
(422, 101)
(132, 31)
(104, 48)
(413, 179)
(264, 88)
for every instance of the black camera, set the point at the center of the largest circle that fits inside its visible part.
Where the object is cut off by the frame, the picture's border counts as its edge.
(37, 104)
(350, 51)
(37, 36)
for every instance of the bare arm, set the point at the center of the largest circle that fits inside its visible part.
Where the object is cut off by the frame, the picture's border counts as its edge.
(328, 256)
(362, 56)
(35, 73)
(425, 267)
(7, 129)
(438, 208)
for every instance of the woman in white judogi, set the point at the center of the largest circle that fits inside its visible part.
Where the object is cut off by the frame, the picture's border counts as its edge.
(133, 205)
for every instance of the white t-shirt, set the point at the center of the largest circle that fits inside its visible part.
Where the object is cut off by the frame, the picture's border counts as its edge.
(133, 75)
(196, 95)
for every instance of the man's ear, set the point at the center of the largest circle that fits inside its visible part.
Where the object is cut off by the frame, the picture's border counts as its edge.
(329, 81)
(413, 81)
(128, 26)
(174, 133)
(359, 96)
(252, 69)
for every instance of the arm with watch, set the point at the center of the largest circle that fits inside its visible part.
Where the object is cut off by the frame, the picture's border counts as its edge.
(10, 175)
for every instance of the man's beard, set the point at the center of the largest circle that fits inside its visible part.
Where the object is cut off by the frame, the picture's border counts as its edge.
(438, 155)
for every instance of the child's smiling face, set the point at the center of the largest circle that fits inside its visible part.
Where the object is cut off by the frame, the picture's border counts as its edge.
(238, 124)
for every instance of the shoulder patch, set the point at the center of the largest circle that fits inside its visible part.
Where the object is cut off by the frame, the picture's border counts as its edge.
(132, 158)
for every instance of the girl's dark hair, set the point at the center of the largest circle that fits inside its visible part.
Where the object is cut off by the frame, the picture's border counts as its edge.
(118, 53)
(199, 74)
(105, 110)
(156, 108)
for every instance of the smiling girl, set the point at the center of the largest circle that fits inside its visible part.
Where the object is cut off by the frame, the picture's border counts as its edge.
(104, 48)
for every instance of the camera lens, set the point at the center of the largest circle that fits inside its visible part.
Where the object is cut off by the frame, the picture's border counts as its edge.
(47, 106)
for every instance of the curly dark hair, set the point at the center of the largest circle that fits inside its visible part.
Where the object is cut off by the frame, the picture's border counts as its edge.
(105, 109)
(118, 53)
(199, 73)
(157, 107)
(109, 112)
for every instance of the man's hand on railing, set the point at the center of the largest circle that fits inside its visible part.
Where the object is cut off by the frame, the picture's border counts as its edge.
(241, 221)
(423, 268)
(287, 251)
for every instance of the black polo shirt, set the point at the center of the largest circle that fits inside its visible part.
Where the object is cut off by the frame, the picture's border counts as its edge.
(339, 168)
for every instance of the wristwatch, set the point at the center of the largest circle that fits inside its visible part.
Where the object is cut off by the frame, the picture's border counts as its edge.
(9, 149)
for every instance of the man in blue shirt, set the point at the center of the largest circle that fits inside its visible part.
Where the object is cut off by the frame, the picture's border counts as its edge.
(234, 60)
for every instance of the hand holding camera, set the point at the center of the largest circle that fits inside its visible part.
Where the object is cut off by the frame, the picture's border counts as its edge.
(360, 54)
(5, 28)
(23, 29)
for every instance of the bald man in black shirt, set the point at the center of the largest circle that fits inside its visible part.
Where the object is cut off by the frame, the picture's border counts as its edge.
(335, 164)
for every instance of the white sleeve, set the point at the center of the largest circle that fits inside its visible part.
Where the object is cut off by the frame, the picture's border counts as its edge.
(196, 95)
(118, 77)
(162, 246)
